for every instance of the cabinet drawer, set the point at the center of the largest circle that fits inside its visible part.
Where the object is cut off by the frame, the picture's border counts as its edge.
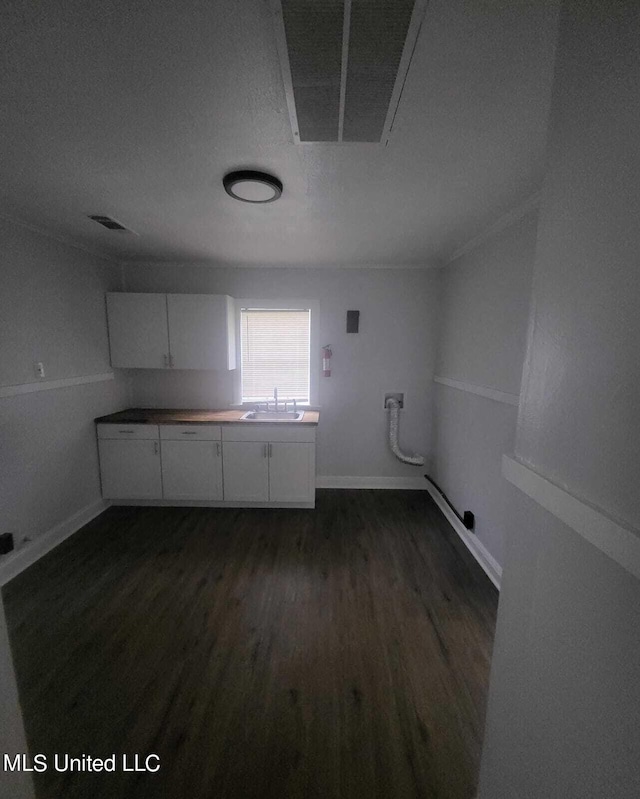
(190, 432)
(261, 431)
(127, 431)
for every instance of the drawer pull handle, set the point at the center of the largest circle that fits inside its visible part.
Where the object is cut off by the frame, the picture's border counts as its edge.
(218, 448)
(126, 431)
(189, 432)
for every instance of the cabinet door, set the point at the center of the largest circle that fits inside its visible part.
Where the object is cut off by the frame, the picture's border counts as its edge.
(192, 469)
(292, 472)
(246, 471)
(130, 469)
(138, 333)
(201, 331)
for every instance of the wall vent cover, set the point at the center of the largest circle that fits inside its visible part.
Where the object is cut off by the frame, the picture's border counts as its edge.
(108, 222)
(344, 64)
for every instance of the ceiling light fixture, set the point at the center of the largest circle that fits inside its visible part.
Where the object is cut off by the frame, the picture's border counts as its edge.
(252, 187)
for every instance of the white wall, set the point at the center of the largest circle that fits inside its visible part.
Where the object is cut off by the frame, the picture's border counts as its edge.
(51, 310)
(394, 351)
(564, 708)
(484, 311)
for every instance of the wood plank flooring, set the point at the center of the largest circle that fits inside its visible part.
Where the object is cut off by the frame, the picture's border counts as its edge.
(335, 653)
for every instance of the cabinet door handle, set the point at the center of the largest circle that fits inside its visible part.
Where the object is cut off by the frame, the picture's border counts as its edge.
(155, 447)
(265, 451)
(170, 361)
(166, 360)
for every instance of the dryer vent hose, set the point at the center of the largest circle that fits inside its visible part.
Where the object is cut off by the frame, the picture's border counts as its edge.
(394, 423)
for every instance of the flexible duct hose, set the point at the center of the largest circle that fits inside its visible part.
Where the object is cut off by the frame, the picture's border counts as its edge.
(394, 422)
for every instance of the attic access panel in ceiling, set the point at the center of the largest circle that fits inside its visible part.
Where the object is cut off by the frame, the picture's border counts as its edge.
(344, 64)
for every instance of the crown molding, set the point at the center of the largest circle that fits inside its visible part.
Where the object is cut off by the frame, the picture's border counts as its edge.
(226, 265)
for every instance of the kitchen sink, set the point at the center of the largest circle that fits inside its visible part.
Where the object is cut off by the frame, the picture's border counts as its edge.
(273, 416)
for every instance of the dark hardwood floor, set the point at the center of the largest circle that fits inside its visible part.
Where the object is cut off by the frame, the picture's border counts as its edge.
(342, 652)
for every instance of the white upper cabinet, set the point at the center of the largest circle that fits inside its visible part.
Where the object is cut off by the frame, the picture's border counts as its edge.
(202, 331)
(171, 331)
(138, 331)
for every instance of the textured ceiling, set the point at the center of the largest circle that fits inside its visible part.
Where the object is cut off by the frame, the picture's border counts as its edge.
(137, 110)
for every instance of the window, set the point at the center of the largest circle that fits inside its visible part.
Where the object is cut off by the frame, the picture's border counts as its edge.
(275, 353)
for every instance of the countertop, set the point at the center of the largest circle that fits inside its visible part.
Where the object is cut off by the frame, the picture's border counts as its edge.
(194, 416)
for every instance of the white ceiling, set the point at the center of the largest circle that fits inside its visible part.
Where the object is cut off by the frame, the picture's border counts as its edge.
(137, 109)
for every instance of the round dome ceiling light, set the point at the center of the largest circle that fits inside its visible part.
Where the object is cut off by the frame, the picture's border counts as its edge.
(252, 187)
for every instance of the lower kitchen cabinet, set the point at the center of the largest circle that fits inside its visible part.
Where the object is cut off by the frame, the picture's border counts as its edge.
(233, 464)
(246, 471)
(192, 469)
(130, 469)
(292, 472)
(269, 464)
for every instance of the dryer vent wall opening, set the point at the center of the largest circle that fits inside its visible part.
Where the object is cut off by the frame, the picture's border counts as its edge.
(394, 424)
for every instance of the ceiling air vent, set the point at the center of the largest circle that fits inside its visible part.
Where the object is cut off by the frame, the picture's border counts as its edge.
(344, 64)
(108, 222)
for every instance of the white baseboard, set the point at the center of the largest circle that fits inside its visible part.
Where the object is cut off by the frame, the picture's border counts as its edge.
(346, 481)
(15, 562)
(490, 565)
(204, 503)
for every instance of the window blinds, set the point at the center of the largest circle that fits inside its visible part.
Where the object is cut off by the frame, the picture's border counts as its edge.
(275, 353)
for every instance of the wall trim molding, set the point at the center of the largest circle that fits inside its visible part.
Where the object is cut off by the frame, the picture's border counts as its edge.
(382, 483)
(489, 564)
(502, 223)
(48, 385)
(482, 391)
(15, 562)
(619, 543)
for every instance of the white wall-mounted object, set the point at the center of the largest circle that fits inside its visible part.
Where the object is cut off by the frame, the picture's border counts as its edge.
(138, 330)
(396, 395)
(201, 331)
(171, 331)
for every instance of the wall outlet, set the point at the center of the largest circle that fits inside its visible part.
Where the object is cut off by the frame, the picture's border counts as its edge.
(38, 368)
(397, 395)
